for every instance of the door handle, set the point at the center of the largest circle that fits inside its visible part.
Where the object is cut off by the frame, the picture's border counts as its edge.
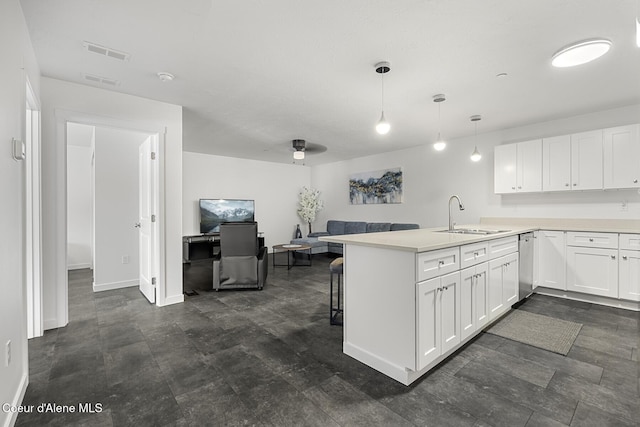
(624, 257)
(138, 225)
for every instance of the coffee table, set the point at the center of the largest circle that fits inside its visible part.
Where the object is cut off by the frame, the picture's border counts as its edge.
(291, 250)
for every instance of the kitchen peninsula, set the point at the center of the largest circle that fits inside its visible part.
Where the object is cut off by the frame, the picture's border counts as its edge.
(413, 297)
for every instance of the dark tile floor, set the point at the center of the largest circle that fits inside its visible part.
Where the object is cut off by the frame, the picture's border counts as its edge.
(271, 358)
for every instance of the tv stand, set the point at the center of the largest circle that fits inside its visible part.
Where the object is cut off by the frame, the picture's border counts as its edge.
(204, 246)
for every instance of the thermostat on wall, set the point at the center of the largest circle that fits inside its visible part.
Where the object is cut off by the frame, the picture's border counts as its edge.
(19, 151)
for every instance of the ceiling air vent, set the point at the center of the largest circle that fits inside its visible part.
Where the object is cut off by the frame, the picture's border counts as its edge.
(101, 80)
(106, 51)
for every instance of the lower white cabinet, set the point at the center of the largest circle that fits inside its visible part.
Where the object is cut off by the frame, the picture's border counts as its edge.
(592, 271)
(503, 284)
(629, 269)
(551, 259)
(474, 303)
(438, 317)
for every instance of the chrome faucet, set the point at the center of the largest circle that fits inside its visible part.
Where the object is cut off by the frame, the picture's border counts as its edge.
(460, 205)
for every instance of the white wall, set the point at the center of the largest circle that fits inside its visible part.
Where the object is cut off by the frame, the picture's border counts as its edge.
(18, 62)
(79, 207)
(273, 186)
(116, 208)
(430, 178)
(64, 101)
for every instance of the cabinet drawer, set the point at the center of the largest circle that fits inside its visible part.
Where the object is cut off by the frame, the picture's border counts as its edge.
(473, 254)
(504, 246)
(436, 263)
(592, 240)
(630, 241)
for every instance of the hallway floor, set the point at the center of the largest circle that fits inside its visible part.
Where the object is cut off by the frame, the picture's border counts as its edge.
(270, 358)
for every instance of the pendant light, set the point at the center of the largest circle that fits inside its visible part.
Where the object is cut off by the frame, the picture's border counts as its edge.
(476, 156)
(440, 143)
(638, 24)
(383, 127)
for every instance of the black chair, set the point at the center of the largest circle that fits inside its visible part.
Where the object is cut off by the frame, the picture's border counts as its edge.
(241, 263)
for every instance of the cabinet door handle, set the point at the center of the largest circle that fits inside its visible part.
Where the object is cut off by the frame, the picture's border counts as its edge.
(513, 188)
(613, 257)
(574, 184)
(440, 263)
(567, 184)
(635, 181)
(591, 240)
(475, 254)
(624, 257)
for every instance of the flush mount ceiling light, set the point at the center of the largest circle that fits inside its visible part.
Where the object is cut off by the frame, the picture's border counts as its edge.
(440, 143)
(476, 156)
(580, 53)
(165, 77)
(383, 127)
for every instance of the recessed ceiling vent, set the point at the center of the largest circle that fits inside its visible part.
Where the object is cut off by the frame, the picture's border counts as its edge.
(106, 51)
(101, 80)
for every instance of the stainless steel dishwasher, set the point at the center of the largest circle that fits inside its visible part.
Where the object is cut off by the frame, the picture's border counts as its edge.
(525, 275)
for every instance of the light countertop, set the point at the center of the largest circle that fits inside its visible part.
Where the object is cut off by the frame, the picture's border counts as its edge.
(428, 239)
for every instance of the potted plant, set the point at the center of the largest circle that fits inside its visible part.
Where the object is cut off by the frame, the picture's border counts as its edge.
(309, 205)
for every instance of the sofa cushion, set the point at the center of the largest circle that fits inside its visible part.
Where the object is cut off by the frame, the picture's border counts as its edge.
(375, 227)
(355, 227)
(335, 227)
(399, 226)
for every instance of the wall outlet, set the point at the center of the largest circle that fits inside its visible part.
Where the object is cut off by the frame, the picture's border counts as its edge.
(7, 359)
(125, 259)
(624, 207)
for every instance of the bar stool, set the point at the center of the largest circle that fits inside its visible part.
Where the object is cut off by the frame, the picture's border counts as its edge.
(335, 268)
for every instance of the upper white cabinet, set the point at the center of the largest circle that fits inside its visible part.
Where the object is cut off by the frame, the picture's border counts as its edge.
(556, 163)
(586, 160)
(518, 167)
(621, 150)
(594, 160)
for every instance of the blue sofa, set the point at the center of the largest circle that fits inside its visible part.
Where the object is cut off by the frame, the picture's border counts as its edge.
(335, 227)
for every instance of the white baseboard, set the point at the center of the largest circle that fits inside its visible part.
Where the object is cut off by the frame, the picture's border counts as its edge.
(594, 299)
(175, 299)
(17, 400)
(79, 266)
(114, 285)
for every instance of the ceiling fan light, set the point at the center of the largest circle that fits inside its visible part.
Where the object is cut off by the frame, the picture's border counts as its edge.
(638, 31)
(476, 156)
(439, 145)
(383, 127)
(298, 155)
(580, 53)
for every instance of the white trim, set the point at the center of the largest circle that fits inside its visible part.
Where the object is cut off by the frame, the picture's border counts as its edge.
(17, 400)
(62, 116)
(594, 299)
(172, 300)
(115, 285)
(79, 266)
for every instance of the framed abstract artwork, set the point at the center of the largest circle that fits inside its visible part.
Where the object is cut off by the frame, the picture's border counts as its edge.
(376, 187)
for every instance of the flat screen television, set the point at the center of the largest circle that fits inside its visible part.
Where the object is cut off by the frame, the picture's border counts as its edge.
(214, 212)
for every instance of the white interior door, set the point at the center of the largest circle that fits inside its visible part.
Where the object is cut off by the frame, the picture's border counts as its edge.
(147, 222)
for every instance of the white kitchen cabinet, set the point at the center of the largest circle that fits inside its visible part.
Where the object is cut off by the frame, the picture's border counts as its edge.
(504, 169)
(551, 259)
(592, 271)
(518, 167)
(437, 263)
(474, 305)
(556, 163)
(503, 246)
(536, 259)
(503, 284)
(621, 150)
(586, 161)
(629, 267)
(474, 253)
(438, 317)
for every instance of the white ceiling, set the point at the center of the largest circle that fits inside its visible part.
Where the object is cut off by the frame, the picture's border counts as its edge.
(252, 75)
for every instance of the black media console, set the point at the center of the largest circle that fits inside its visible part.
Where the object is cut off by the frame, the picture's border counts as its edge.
(204, 246)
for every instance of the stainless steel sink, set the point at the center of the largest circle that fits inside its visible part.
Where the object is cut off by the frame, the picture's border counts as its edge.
(472, 231)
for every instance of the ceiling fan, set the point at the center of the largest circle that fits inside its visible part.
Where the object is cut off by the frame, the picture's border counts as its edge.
(302, 147)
